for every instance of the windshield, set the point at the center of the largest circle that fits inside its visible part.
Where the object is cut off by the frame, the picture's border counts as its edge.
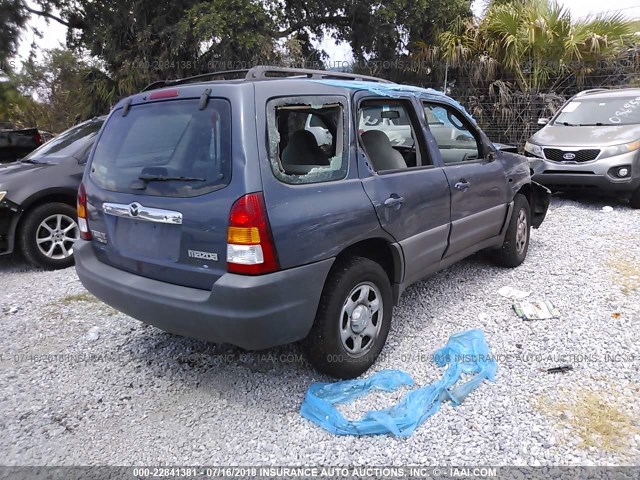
(611, 110)
(72, 142)
(169, 148)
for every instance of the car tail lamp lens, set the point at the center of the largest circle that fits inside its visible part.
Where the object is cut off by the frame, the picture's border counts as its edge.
(163, 94)
(250, 247)
(85, 233)
(37, 139)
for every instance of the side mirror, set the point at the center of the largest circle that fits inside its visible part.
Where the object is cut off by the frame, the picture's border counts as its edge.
(506, 148)
(491, 156)
(543, 121)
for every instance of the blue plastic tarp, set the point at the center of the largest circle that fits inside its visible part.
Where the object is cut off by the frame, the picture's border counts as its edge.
(465, 353)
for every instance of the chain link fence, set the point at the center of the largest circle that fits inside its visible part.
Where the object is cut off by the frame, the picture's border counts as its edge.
(502, 104)
(508, 114)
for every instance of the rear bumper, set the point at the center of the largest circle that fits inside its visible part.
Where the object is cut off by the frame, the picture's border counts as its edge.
(251, 312)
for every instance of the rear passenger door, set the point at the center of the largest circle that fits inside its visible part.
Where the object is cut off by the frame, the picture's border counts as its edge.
(314, 198)
(477, 182)
(410, 194)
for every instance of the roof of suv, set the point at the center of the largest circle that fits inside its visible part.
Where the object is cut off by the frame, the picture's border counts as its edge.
(292, 81)
(604, 93)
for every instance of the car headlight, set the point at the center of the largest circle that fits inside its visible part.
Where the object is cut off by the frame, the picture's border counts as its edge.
(2, 195)
(533, 149)
(620, 149)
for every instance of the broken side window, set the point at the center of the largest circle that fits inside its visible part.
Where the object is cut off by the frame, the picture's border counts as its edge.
(307, 139)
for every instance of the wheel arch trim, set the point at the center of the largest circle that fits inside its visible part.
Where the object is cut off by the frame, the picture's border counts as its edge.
(384, 252)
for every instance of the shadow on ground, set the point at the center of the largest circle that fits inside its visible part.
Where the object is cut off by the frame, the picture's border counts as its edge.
(15, 263)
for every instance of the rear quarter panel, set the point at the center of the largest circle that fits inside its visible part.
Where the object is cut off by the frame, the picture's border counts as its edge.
(59, 179)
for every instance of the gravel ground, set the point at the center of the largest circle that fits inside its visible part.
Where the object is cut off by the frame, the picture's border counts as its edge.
(84, 384)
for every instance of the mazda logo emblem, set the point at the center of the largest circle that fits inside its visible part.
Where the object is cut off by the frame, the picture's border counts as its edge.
(134, 209)
(569, 156)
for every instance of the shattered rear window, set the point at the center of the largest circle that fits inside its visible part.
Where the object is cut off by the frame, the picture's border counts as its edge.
(307, 139)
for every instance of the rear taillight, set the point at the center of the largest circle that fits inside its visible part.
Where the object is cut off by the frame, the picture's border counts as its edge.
(37, 139)
(250, 248)
(85, 233)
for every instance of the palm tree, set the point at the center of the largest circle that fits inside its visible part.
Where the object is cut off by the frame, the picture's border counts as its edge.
(510, 64)
(535, 41)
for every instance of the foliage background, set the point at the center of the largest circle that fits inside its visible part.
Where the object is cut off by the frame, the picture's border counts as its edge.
(519, 61)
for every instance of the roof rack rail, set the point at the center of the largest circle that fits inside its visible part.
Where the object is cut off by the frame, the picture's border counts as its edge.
(592, 90)
(263, 72)
(240, 74)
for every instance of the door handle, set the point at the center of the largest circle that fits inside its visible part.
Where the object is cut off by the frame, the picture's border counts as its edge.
(394, 201)
(462, 185)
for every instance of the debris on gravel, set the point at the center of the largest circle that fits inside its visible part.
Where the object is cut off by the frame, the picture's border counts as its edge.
(85, 384)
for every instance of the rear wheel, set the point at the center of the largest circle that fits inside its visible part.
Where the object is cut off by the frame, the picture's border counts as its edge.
(353, 319)
(635, 199)
(516, 240)
(47, 236)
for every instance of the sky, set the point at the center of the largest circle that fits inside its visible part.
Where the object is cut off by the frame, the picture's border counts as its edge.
(54, 33)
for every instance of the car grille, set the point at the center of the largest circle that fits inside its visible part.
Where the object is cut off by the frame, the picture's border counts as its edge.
(558, 155)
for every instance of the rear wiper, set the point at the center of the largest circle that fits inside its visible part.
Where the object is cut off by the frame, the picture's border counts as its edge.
(162, 178)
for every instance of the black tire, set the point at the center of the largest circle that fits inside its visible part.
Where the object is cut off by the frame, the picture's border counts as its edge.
(512, 253)
(635, 199)
(29, 231)
(324, 346)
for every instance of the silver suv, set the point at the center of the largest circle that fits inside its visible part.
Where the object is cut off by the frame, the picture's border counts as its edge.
(591, 144)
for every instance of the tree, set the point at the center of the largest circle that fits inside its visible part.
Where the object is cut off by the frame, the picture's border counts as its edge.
(12, 21)
(14, 15)
(523, 58)
(52, 93)
(377, 31)
(535, 41)
(142, 41)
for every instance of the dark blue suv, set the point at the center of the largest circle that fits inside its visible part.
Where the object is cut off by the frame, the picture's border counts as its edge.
(292, 205)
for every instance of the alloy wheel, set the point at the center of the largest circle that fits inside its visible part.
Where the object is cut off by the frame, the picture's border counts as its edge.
(56, 235)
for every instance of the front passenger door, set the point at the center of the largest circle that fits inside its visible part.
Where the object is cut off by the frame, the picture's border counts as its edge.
(477, 182)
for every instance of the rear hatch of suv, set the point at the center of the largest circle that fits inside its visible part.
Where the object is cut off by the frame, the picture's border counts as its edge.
(159, 188)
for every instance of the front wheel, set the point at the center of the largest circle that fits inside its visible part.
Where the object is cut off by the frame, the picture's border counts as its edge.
(516, 241)
(353, 319)
(635, 199)
(47, 235)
